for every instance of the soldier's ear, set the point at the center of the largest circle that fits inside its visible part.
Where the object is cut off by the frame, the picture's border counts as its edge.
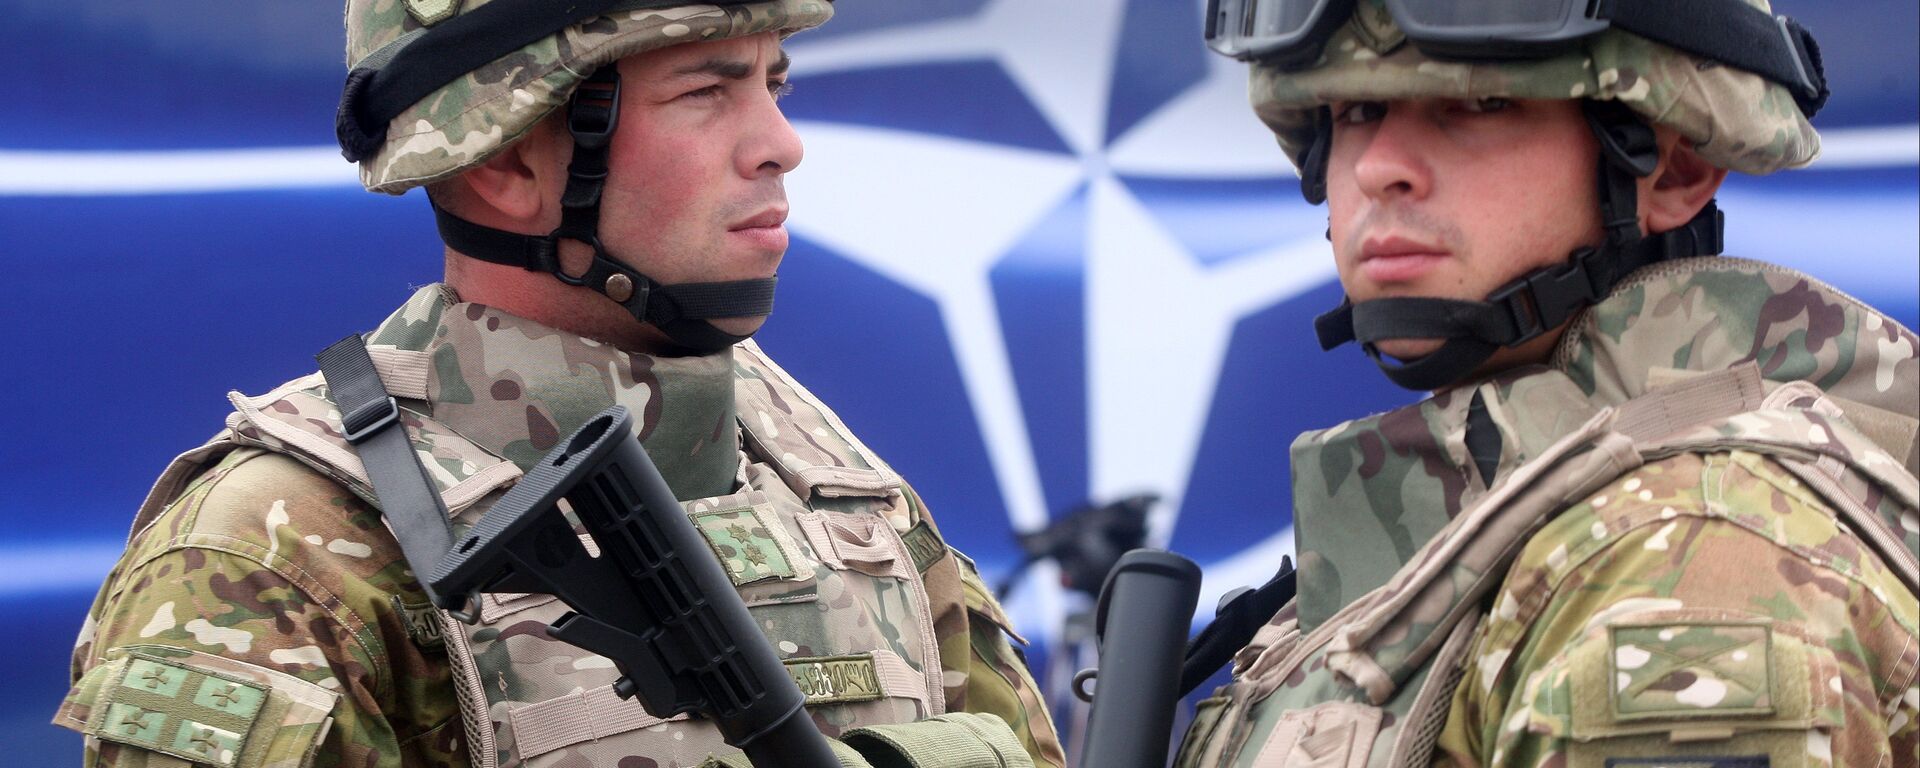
(1681, 185)
(520, 185)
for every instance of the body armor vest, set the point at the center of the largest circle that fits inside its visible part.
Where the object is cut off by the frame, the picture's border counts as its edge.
(824, 542)
(1407, 521)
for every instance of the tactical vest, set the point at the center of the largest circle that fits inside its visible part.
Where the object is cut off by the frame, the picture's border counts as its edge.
(1361, 669)
(820, 538)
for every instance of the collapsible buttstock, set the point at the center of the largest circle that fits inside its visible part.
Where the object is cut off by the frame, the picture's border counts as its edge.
(650, 595)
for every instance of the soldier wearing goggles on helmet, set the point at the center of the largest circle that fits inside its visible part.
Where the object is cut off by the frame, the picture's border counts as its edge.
(1660, 508)
(607, 178)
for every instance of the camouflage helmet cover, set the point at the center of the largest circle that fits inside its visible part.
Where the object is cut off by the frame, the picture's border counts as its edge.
(1736, 120)
(466, 121)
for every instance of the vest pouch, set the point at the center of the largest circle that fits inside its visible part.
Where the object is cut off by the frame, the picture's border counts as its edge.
(1689, 685)
(866, 544)
(1334, 734)
(1299, 713)
(1206, 720)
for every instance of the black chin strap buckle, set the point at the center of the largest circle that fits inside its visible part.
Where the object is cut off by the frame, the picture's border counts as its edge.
(1541, 300)
(594, 112)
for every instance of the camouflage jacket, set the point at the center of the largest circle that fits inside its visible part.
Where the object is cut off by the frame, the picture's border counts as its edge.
(259, 564)
(1689, 541)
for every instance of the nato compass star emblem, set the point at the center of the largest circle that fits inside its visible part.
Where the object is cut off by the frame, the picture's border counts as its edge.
(1081, 178)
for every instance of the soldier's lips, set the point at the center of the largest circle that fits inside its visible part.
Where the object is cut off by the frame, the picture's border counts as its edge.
(1398, 259)
(765, 230)
(769, 239)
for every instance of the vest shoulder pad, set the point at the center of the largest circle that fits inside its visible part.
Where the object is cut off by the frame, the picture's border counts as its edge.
(300, 420)
(805, 442)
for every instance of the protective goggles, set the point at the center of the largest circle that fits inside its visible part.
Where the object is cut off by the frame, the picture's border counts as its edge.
(1290, 34)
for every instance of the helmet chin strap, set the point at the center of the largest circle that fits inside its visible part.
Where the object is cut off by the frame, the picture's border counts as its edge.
(1541, 300)
(682, 311)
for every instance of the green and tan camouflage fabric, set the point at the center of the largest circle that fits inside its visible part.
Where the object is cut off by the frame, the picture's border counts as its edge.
(262, 548)
(1737, 120)
(469, 119)
(1736, 580)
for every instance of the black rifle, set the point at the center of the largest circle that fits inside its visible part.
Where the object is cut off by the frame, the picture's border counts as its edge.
(1144, 612)
(653, 598)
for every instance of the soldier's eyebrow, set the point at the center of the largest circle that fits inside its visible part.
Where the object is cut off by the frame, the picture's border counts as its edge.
(733, 69)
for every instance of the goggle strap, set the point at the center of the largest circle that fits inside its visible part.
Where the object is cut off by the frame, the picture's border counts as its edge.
(1735, 34)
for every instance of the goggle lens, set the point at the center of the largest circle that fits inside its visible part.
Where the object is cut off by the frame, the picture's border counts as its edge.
(1484, 17)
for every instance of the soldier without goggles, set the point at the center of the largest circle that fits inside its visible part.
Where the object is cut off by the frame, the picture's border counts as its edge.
(607, 177)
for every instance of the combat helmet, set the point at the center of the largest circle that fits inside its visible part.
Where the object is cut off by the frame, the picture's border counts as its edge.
(1729, 76)
(438, 86)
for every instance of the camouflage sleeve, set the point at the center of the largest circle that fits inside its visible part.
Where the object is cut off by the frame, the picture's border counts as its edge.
(274, 569)
(983, 673)
(998, 681)
(1706, 611)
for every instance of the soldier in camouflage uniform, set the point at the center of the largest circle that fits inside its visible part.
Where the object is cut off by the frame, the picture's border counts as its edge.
(1673, 526)
(263, 615)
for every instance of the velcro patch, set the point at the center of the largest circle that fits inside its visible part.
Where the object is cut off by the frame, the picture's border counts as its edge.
(158, 705)
(1691, 761)
(431, 12)
(924, 545)
(831, 679)
(1691, 668)
(746, 545)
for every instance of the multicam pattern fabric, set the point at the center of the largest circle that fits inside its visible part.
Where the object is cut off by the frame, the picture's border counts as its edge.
(278, 571)
(1411, 468)
(1737, 578)
(469, 119)
(1737, 120)
(1709, 314)
(199, 707)
(248, 521)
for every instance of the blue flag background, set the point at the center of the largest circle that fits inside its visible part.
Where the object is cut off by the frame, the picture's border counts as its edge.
(1043, 254)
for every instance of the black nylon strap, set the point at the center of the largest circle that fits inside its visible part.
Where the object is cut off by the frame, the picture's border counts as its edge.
(1514, 314)
(1418, 317)
(1452, 362)
(371, 418)
(1335, 326)
(1240, 615)
(667, 304)
(702, 301)
(1733, 33)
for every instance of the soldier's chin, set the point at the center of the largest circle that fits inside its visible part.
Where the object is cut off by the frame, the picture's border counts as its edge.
(739, 326)
(1408, 350)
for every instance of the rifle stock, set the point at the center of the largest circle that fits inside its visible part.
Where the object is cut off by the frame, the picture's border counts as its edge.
(653, 598)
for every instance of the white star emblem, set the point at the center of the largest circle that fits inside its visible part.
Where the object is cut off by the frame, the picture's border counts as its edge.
(936, 213)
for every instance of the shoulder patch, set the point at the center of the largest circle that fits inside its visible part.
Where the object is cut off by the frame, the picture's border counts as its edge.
(924, 544)
(1690, 669)
(200, 708)
(1679, 761)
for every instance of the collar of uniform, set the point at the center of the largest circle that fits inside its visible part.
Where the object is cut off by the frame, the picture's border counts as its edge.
(1369, 493)
(516, 387)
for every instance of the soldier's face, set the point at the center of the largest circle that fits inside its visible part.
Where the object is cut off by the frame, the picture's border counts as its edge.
(694, 189)
(1452, 198)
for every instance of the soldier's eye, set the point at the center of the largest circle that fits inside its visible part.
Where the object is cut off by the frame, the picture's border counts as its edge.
(1357, 112)
(779, 89)
(708, 92)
